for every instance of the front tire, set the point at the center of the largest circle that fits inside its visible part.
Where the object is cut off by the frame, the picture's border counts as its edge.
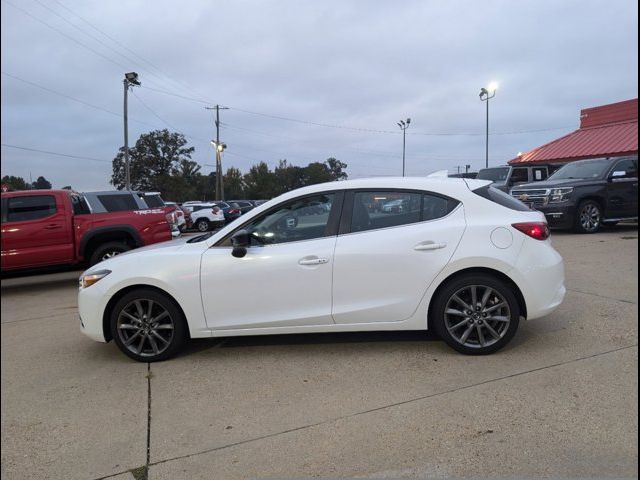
(588, 217)
(476, 314)
(148, 326)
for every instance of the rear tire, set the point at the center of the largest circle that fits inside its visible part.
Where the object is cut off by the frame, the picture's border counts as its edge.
(476, 314)
(108, 250)
(588, 217)
(202, 225)
(148, 326)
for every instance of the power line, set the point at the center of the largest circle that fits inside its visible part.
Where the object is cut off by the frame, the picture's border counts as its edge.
(152, 111)
(55, 153)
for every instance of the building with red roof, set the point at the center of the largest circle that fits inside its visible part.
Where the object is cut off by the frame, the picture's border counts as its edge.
(605, 131)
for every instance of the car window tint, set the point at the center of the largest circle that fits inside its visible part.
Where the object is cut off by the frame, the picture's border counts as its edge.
(21, 209)
(118, 203)
(435, 206)
(372, 210)
(519, 175)
(629, 167)
(301, 219)
(80, 205)
(153, 201)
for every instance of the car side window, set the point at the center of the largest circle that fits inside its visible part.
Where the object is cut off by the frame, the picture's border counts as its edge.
(629, 167)
(539, 173)
(383, 209)
(300, 219)
(519, 175)
(118, 203)
(35, 207)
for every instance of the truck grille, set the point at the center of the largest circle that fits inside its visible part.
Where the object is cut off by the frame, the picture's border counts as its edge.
(532, 198)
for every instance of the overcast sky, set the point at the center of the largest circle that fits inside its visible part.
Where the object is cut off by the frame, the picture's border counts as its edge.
(354, 65)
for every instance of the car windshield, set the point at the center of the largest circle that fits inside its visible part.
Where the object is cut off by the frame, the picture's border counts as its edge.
(499, 174)
(583, 169)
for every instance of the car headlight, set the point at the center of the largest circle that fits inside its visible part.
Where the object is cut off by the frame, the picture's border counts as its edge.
(88, 279)
(560, 194)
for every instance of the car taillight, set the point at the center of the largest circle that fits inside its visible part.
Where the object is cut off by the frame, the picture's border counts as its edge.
(171, 217)
(233, 211)
(537, 230)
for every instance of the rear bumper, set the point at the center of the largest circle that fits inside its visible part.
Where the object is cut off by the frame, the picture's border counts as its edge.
(539, 272)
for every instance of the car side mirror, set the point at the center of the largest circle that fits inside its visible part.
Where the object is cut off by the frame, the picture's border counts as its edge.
(240, 241)
(618, 174)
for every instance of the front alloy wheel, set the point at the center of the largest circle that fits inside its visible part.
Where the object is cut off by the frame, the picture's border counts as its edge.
(476, 314)
(202, 225)
(589, 217)
(147, 326)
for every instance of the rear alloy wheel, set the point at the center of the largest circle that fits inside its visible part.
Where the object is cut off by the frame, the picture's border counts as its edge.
(107, 251)
(588, 217)
(202, 225)
(476, 314)
(148, 326)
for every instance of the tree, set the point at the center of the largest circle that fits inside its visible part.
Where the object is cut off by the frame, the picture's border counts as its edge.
(41, 183)
(233, 183)
(260, 182)
(336, 168)
(156, 155)
(288, 177)
(317, 172)
(14, 183)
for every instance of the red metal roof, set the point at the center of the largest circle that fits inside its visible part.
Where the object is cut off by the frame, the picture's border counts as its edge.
(605, 131)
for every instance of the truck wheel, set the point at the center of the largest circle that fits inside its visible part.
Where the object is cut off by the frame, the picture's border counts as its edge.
(108, 250)
(202, 225)
(588, 217)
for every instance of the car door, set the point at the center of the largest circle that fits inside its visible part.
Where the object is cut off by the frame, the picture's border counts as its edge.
(622, 189)
(384, 261)
(36, 232)
(285, 278)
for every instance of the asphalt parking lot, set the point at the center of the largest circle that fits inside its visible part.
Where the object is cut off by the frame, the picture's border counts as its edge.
(559, 401)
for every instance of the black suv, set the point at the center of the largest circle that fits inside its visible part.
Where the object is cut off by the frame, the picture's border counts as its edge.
(586, 194)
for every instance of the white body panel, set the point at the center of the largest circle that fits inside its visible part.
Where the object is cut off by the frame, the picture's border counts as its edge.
(269, 292)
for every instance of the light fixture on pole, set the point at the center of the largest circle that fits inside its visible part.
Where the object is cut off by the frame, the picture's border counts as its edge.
(487, 93)
(130, 80)
(219, 148)
(403, 126)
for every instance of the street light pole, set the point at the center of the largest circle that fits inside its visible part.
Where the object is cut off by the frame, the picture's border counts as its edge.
(130, 79)
(403, 126)
(219, 149)
(487, 94)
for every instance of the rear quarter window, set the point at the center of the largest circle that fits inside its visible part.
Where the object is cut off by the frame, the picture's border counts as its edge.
(501, 198)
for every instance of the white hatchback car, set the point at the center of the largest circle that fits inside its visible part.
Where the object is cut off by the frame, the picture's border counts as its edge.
(462, 258)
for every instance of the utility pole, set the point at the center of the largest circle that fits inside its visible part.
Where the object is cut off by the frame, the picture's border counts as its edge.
(219, 147)
(487, 94)
(130, 79)
(403, 126)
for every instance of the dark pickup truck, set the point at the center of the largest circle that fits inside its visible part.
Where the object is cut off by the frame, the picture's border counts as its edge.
(586, 194)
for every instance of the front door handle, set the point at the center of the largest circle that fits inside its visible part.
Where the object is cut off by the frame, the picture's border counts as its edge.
(313, 261)
(429, 246)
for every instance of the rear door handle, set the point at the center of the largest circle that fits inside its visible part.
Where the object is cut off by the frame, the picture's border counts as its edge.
(313, 261)
(429, 246)
(52, 226)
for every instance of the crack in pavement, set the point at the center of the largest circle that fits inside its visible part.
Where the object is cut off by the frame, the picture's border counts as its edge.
(602, 296)
(392, 405)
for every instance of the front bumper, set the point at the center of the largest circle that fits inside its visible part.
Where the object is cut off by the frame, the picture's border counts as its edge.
(559, 215)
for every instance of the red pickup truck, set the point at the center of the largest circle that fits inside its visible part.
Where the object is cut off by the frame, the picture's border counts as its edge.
(55, 227)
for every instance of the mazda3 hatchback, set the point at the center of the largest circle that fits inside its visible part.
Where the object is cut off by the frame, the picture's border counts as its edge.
(461, 258)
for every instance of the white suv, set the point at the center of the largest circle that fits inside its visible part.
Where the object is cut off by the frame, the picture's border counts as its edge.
(205, 215)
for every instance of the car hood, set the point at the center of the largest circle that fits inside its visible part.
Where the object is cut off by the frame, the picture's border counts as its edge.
(569, 182)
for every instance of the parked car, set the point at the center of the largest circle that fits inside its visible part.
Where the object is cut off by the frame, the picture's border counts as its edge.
(586, 194)
(469, 264)
(395, 206)
(54, 227)
(464, 175)
(181, 218)
(205, 216)
(506, 177)
(244, 205)
(127, 200)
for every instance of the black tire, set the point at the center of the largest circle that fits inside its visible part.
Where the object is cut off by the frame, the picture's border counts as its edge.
(447, 326)
(588, 217)
(108, 250)
(175, 337)
(202, 225)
